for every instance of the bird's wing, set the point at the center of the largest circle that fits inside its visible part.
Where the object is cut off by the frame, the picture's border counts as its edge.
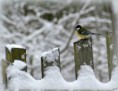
(85, 32)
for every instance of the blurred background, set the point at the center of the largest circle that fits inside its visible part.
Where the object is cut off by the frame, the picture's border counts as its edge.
(40, 25)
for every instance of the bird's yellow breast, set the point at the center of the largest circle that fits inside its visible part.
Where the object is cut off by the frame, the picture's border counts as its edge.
(82, 36)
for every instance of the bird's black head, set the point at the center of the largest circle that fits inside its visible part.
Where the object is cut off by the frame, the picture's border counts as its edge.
(78, 27)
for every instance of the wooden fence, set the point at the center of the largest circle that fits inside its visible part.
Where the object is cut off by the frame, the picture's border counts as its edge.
(83, 54)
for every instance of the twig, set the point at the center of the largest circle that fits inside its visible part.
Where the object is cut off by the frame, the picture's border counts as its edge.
(6, 19)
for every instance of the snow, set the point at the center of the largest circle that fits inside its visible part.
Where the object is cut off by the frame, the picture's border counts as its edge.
(18, 79)
(19, 64)
(111, 46)
(10, 46)
(53, 80)
(49, 56)
(115, 5)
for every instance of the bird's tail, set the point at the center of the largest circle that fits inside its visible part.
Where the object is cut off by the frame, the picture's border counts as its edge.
(96, 34)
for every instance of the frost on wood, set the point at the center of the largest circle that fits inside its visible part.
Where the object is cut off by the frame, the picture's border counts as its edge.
(83, 53)
(53, 80)
(50, 58)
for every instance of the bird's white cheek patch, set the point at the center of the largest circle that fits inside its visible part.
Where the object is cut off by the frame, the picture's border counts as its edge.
(78, 28)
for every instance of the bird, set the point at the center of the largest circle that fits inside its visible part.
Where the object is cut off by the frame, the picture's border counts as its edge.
(83, 33)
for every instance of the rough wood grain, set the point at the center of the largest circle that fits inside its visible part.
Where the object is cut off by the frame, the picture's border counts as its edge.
(83, 54)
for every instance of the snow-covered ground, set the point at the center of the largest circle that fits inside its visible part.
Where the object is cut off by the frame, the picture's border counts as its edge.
(53, 80)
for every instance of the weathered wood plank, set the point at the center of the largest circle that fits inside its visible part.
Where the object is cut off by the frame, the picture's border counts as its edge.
(4, 76)
(31, 63)
(50, 58)
(83, 54)
(13, 52)
(109, 46)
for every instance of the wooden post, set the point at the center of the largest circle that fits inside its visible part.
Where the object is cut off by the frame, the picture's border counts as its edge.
(50, 58)
(31, 63)
(4, 77)
(83, 54)
(13, 52)
(109, 46)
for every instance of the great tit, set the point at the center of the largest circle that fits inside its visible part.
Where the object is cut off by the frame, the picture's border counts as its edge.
(83, 33)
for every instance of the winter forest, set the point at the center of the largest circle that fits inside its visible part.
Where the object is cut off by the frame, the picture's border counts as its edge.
(41, 25)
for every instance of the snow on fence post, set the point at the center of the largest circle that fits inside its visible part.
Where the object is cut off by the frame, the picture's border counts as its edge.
(109, 46)
(13, 52)
(83, 54)
(50, 58)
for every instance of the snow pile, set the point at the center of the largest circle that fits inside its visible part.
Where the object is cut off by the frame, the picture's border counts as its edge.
(53, 80)
(20, 65)
(51, 56)
(18, 79)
